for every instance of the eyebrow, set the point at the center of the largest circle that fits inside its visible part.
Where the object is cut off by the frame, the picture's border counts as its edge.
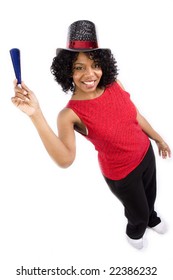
(79, 63)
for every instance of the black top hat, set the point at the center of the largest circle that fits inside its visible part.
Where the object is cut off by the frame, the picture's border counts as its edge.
(81, 37)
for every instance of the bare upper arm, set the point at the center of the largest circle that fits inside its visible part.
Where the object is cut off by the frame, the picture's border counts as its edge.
(139, 117)
(120, 84)
(65, 124)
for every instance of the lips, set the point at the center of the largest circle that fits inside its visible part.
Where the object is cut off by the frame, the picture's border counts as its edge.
(89, 84)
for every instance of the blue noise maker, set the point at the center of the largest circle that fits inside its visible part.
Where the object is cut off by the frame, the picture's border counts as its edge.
(15, 57)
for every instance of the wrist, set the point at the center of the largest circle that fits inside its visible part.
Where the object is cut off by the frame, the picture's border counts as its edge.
(160, 141)
(36, 115)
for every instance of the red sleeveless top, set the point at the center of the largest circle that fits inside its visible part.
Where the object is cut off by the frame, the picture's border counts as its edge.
(113, 130)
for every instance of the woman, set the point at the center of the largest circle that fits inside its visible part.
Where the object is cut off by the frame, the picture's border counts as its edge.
(101, 110)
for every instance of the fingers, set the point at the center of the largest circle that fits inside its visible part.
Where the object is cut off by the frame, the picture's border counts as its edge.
(16, 101)
(15, 82)
(21, 97)
(164, 150)
(164, 154)
(25, 99)
(168, 152)
(25, 87)
(22, 92)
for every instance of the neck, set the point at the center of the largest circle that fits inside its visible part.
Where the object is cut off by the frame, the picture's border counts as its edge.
(87, 95)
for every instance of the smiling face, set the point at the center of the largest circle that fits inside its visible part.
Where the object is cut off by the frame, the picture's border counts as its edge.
(86, 74)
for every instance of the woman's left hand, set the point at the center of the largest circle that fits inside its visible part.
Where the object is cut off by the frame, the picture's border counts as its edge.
(164, 150)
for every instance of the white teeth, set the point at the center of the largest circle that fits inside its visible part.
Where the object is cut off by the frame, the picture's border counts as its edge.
(89, 83)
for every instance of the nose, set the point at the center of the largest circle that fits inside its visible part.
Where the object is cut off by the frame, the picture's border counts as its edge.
(89, 71)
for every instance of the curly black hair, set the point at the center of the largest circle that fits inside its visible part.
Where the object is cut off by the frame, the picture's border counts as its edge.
(62, 67)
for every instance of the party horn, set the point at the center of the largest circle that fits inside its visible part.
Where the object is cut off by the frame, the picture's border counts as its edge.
(15, 57)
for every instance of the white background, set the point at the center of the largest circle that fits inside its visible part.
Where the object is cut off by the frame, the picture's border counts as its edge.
(52, 217)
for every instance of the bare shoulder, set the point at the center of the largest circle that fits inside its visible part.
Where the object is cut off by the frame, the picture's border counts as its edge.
(67, 115)
(65, 125)
(120, 84)
(68, 119)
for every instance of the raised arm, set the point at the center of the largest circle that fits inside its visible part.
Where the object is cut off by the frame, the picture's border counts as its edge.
(61, 148)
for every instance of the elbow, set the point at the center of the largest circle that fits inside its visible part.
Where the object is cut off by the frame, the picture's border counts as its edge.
(65, 165)
(65, 162)
(63, 158)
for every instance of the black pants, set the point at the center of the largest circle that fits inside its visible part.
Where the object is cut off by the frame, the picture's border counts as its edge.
(137, 192)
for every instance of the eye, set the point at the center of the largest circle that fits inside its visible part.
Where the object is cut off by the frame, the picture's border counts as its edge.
(78, 68)
(97, 65)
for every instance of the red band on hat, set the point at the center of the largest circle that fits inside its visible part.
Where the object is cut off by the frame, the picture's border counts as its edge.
(82, 45)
